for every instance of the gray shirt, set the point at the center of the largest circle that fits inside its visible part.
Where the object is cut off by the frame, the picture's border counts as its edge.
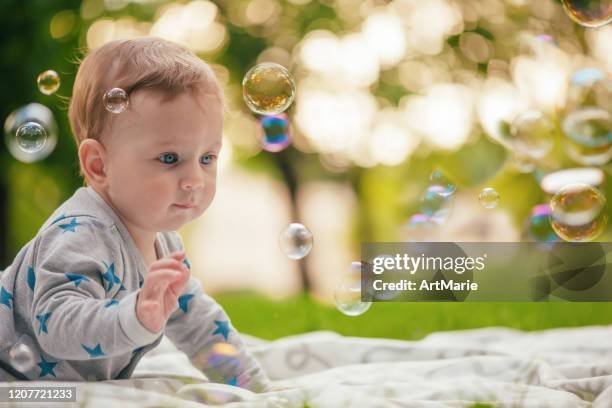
(70, 296)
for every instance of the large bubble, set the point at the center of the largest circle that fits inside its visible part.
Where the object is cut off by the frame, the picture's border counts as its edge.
(589, 87)
(268, 89)
(30, 133)
(590, 127)
(578, 212)
(589, 13)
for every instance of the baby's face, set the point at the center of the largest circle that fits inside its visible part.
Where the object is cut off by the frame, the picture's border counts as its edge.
(161, 159)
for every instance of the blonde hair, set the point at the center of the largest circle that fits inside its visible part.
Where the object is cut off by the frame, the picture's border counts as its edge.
(140, 63)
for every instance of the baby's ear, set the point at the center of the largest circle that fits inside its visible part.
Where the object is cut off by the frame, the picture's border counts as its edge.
(92, 157)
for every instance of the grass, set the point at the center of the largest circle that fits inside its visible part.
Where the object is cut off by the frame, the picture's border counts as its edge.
(259, 316)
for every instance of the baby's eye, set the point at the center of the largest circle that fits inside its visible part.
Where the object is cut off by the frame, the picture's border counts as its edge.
(207, 158)
(168, 158)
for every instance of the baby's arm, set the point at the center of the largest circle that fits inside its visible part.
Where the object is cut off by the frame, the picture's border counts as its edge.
(200, 327)
(77, 272)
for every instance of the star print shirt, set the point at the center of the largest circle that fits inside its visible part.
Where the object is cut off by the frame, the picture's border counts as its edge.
(70, 297)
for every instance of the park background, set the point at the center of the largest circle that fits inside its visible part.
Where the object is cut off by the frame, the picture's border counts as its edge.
(386, 93)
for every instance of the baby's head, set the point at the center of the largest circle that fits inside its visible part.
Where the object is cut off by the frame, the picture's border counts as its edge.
(161, 152)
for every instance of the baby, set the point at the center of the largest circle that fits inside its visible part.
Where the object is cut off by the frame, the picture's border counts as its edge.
(106, 276)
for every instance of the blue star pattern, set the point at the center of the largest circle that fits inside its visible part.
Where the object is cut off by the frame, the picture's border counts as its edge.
(5, 297)
(76, 278)
(31, 278)
(111, 302)
(233, 381)
(186, 262)
(184, 302)
(70, 227)
(95, 351)
(110, 276)
(46, 367)
(222, 328)
(42, 318)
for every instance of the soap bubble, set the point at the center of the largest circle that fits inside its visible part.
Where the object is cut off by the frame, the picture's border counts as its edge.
(347, 293)
(295, 241)
(116, 100)
(589, 87)
(538, 224)
(488, 198)
(577, 212)
(591, 127)
(48, 82)
(589, 13)
(434, 199)
(30, 145)
(588, 156)
(21, 357)
(438, 178)
(276, 136)
(532, 134)
(31, 137)
(223, 362)
(268, 89)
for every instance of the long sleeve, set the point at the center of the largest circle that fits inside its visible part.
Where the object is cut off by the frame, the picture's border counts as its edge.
(81, 309)
(202, 330)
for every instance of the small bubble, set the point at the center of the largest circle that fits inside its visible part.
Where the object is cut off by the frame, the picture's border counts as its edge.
(21, 357)
(347, 293)
(295, 241)
(116, 100)
(276, 136)
(48, 82)
(577, 212)
(438, 178)
(31, 137)
(488, 198)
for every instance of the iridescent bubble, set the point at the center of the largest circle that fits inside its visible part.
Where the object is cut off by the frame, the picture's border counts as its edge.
(116, 100)
(29, 147)
(295, 241)
(577, 213)
(538, 224)
(418, 221)
(21, 357)
(438, 178)
(591, 127)
(433, 200)
(31, 137)
(589, 87)
(276, 135)
(589, 13)
(532, 134)
(347, 293)
(48, 82)
(488, 198)
(268, 89)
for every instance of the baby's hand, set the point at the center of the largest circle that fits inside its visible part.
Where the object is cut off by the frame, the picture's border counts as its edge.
(162, 286)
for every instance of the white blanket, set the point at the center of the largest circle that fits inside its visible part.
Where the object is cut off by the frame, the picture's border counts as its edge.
(496, 366)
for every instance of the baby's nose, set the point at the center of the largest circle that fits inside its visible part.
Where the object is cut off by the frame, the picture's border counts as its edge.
(192, 184)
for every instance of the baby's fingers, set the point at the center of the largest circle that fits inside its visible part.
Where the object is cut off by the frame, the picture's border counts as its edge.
(156, 282)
